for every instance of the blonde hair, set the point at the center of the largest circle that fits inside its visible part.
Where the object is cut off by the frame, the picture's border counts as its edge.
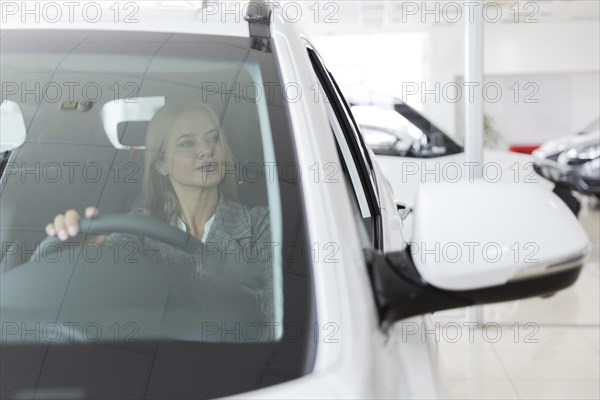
(158, 195)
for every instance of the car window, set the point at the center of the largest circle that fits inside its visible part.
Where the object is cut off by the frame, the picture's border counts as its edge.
(162, 127)
(353, 152)
(387, 119)
(434, 141)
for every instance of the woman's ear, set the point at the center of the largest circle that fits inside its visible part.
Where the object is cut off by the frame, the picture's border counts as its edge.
(159, 165)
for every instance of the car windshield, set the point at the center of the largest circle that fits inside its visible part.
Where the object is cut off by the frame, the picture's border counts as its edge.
(397, 129)
(157, 131)
(392, 121)
(433, 133)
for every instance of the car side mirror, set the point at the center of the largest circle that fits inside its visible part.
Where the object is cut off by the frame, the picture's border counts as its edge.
(476, 243)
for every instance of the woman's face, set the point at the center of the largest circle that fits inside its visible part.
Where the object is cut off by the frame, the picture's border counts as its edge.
(194, 155)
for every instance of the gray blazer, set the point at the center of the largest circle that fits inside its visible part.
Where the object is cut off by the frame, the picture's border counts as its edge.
(238, 251)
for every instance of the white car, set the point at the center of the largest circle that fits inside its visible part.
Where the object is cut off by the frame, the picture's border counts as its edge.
(91, 319)
(412, 150)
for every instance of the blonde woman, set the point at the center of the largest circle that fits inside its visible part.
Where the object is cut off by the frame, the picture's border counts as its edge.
(186, 185)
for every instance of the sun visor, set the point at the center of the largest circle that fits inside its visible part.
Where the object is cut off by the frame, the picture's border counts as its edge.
(12, 126)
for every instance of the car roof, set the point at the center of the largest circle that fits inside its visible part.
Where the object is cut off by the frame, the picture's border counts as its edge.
(198, 17)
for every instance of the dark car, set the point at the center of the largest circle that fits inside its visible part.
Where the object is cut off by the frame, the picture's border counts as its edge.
(573, 162)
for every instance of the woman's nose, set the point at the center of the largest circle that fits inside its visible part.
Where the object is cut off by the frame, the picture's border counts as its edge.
(204, 151)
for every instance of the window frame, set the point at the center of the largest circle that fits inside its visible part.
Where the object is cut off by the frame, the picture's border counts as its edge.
(354, 142)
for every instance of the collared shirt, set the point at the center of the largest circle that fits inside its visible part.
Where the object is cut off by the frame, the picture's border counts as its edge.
(178, 222)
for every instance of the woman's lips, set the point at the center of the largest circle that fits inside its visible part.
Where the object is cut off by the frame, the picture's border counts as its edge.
(208, 167)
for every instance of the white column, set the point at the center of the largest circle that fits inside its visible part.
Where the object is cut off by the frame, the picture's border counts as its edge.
(474, 105)
(474, 88)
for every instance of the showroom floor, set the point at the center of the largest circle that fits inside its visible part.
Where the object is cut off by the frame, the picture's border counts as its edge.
(532, 349)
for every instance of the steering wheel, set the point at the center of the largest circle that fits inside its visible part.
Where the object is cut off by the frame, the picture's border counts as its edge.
(132, 224)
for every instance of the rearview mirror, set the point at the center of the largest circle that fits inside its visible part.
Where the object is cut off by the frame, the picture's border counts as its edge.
(133, 109)
(479, 242)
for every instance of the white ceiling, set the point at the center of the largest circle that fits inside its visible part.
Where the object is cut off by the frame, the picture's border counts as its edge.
(354, 16)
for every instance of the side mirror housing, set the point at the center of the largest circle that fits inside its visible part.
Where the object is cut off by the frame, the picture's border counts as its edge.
(479, 242)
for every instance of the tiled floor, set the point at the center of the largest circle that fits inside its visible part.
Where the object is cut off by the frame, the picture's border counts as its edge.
(531, 349)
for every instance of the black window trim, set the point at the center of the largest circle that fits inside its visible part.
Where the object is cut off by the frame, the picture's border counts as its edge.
(359, 154)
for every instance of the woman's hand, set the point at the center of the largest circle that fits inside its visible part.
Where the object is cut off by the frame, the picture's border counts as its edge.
(67, 225)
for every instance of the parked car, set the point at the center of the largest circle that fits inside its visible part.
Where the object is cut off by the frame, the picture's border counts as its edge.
(91, 318)
(573, 162)
(412, 150)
